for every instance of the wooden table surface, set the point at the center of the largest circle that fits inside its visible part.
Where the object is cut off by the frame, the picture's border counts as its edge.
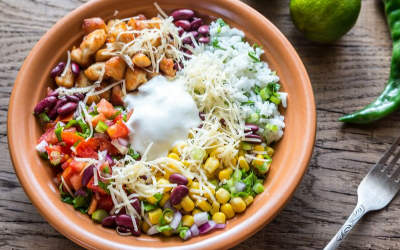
(345, 76)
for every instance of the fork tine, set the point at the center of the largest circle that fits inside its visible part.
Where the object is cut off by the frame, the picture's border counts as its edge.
(387, 154)
(393, 163)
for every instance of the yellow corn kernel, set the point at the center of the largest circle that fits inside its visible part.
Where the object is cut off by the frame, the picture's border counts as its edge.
(242, 152)
(257, 163)
(196, 211)
(224, 175)
(174, 156)
(164, 199)
(151, 200)
(238, 204)
(270, 151)
(222, 196)
(186, 163)
(259, 148)
(145, 227)
(154, 216)
(168, 233)
(187, 220)
(169, 172)
(195, 185)
(234, 162)
(205, 193)
(219, 218)
(187, 204)
(248, 200)
(190, 181)
(159, 175)
(210, 150)
(163, 181)
(227, 209)
(211, 164)
(203, 205)
(215, 208)
(216, 152)
(179, 207)
(243, 163)
(177, 147)
(141, 198)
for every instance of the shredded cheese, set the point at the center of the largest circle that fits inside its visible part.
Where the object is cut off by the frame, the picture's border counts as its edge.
(68, 64)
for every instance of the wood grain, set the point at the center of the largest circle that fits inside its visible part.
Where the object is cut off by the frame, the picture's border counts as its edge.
(345, 76)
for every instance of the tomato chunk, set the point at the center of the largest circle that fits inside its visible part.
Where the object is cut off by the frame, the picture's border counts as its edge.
(77, 166)
(71, 138)
(97, 118)
(76, 181)
(118, 130)
(49, 136)
(94, 188)
(106, 108)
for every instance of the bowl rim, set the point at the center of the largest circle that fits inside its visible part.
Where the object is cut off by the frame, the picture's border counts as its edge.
(286, 194)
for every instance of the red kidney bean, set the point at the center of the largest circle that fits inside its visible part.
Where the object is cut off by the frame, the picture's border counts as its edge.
(124, 220)
(196, 23)
(75, 69)
(204, 30)
(251, 127)
(67, 108)
(87, 175)
(202, 116)
(58, 70)
(188, 52)
(178, 179)
(184, 14)
(123, 229)
(204, 40)
(53, 93)
(136, 205)
(180, 32)
(195, 34)
(109, 222)
(185, 25)
(186, 40)
(46, 103)
(135, 232)
(80, 96)
(72, 98)
(254, 136)
(178, 68)
(178, 194)
(53, 111)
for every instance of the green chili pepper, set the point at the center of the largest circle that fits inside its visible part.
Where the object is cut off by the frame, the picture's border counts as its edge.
(389, 100)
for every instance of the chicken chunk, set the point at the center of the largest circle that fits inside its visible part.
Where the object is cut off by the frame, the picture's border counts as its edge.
(141, 60)
(134, 78)
(102, 55)
(167, 67)
(115, 68)
(77, 57)
(95, 71)
(82, 80)
(66, 81)
(92, 24)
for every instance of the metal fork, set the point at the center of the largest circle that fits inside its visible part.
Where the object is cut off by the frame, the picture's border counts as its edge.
(376, 190)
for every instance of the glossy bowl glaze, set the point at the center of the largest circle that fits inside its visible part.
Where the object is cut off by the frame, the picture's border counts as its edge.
(290, 161)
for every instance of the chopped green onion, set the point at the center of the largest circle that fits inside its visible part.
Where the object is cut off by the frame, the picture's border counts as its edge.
(125, 118)
(158, 197)
(271, 127)
(258, 188)
(55, 158)
(163, 228)
(115, 115)
(76, 143)
(101, 127)
(221, 22)
(275, 100)
(135, 156)
(264, 94)
(198, 154)
(261, 181)
(94, 112)
(277, 86)
(58, 133)
(237, 175)
(43, 155)
(247, 146)
(254, 56)
(44, 117)
(183, 232)
(104, 186)
(71, 123)
(215, 44)
(166, 216)
(257, 90)
(253, 118)
(230, 183)
(69, 200)
(148, 207)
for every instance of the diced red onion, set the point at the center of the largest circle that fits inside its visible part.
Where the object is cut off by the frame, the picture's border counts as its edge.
(120, 147)
(167, 205)
(220, 226)
(109, 123)
(206, 227)
(91, 108)
(123, 142)
(81, 192)
(200, 218)
(188, 235)
(109, 159)
(195, 230)
(176, 220)
(152, 230)
(40, 147)
(240, 186)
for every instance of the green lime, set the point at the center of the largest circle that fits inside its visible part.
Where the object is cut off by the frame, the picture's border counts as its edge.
(324, 21)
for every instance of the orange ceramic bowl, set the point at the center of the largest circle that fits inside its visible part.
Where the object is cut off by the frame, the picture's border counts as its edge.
(290, 161)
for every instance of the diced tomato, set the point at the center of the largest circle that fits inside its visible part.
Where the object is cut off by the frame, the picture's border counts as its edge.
(119, 117)
(94, 188)
(86, 152)
(76, 181)
(88, 149)
(106, 145)
(97, 118)
(118, 130)
(105, 169)
(105, 203)
(70, 138)
(66, 164)
(66, 175)
(77, 166)
(105, 108)
(49, 136)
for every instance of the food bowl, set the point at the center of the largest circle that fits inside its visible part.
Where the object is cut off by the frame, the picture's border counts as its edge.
(290, 161)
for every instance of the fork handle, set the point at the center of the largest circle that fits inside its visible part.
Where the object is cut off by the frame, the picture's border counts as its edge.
(358, 212)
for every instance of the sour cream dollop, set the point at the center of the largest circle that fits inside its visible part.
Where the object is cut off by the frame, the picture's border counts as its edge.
(163, 113)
